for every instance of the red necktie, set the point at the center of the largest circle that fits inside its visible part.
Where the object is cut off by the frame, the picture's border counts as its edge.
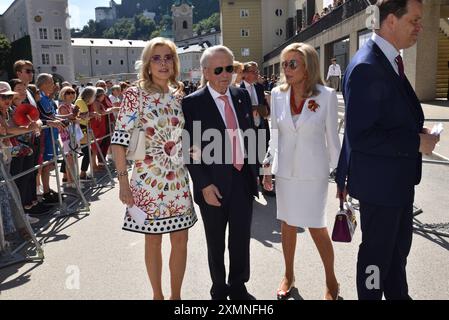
(231, 125)
(400, 64)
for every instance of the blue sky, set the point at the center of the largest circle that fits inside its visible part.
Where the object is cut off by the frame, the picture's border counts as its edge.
(80, 10)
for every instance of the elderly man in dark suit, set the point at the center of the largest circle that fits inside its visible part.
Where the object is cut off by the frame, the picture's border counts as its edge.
(382, 150)
(225, 188)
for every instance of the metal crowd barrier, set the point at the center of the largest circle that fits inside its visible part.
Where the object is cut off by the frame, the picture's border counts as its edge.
(9, 256)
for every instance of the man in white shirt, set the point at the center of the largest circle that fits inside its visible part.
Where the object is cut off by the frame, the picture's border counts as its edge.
(334, 75)
(250, 74)
(260, 107)
(224, 189)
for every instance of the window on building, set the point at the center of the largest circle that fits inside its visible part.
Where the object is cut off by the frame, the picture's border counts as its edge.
(279, 12)
(58, 34)
(84, 51)
(43, 34)
(185, 25)
(244, 13)
(59, 58)
(97, 62)
(245, 52)
(279, 32)
(110, 62)
(45, 58)
(244, 32)
(122, 62)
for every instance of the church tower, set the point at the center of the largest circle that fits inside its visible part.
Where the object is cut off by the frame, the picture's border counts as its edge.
(182, 11)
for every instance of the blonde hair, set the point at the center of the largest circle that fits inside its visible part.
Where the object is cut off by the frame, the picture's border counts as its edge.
(312, 66)
(146, 79)
(20, 64)
(63, 91)
(238, 66)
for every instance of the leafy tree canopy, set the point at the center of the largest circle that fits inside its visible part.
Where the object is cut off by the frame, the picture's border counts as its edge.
(5, 51)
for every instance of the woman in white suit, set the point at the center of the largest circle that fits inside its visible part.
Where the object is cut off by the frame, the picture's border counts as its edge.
(304, 147)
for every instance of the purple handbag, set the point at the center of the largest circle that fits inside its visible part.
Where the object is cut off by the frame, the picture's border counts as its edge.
(345, 224)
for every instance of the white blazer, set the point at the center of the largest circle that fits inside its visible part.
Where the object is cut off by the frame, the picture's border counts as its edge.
(310, 149)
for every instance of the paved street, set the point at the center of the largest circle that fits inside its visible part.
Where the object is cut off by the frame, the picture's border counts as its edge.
(111, 266)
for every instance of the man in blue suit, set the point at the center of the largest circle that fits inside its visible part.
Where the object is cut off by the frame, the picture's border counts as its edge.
(381, 159)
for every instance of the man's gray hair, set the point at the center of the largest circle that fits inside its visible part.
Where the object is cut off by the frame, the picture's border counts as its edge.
(209, 52)
(100, 82)
(88, 93)
(43, 78)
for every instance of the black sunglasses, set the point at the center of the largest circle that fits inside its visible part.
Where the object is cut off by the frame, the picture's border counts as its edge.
(7, 97)
(228, 69)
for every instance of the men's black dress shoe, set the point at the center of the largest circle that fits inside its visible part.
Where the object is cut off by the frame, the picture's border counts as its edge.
(219, 292)
(240, 294)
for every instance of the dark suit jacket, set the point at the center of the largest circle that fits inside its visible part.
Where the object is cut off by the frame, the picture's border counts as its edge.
(380, 156)
(259, 90)
(200, 106)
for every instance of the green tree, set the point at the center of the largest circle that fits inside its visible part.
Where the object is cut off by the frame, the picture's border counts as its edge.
(123, 29)
(205, 25)
(5, 52)
(155, 33)
(91, 30)
(140, 27)
(144, 27)
(204, 9)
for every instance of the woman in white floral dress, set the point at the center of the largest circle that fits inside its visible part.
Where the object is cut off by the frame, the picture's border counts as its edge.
(159, 186)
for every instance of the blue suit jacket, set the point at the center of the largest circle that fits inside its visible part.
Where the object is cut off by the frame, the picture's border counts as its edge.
(380, 157)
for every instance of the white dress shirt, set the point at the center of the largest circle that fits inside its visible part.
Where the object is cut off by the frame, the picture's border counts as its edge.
(334, 71)
(388, 49)
(252, 93)
(221, 108)
(114, 99)
(31, 98)
(220, 103)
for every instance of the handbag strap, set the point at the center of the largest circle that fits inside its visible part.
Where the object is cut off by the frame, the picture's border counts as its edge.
(342, 201)
(138, 122)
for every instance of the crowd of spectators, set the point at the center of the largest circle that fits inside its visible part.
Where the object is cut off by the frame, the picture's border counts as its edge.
(33, 117)
(65, 111)
(327, 10)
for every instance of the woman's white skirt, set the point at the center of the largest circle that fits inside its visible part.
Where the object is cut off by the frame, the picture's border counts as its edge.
(302, 203)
